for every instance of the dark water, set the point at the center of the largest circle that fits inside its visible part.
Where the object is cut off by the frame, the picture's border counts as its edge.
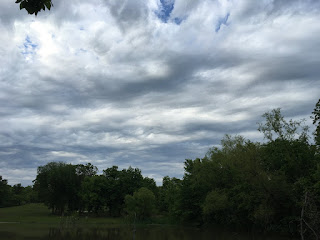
(128, 233)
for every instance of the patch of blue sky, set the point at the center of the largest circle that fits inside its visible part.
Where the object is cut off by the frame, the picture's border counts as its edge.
(178, 21)
(28, 48)
(165, 10)
(29, 44)
(222, 21)
(81, 51)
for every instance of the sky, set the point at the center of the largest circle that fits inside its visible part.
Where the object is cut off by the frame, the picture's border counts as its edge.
(149, 83)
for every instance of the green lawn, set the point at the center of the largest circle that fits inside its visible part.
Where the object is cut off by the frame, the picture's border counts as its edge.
(39, 213)
(30, 213)
(32, 221)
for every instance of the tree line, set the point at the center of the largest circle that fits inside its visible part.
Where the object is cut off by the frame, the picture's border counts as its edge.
(15, 195)
(266, 186)
(66, 188)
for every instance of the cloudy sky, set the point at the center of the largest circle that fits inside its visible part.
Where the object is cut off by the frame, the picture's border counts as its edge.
(149, 83)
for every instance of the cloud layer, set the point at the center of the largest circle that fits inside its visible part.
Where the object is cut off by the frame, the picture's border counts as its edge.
(148, 83)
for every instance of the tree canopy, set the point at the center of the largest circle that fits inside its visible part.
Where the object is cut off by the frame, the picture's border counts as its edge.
(316, 121)
(35, 6)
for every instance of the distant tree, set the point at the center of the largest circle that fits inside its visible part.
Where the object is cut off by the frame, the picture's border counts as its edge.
(276, 125)
(169, 196)
(246, 184)
(294, 159)
(114, 193)
(141, 204)
(216, 205)
(5, 193)
(119, 184)
(58, 186)
(150, 183)
(30, 195)
(15, 195)
(34, 6)
(18, 194)
(93, 194)
(316, 121)
(87, 170)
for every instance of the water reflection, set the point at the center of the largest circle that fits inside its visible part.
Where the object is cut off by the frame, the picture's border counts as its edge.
(155, 232)
(93, 233)
(150, 233)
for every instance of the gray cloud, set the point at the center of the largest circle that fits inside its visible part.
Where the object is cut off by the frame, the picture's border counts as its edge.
(110, 83)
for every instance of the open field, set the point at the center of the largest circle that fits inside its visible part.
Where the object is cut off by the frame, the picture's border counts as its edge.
(30, 213)
(39, 213)
(34, 221)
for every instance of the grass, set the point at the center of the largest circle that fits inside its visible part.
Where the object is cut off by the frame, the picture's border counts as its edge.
(33, 221)
(39, 213)
(30, 213)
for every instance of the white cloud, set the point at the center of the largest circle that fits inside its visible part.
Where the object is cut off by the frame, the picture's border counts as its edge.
(109, 82)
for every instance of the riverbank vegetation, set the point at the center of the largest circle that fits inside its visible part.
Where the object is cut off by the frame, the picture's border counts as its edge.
(263, 186)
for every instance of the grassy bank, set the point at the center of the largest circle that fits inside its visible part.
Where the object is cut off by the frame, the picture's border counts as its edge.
(35, 221)
(30, 213)
(40, 214)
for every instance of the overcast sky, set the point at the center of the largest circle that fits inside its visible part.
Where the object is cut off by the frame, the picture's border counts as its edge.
(149, 83)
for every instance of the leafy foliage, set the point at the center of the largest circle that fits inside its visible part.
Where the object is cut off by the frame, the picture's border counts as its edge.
(275, 124)
(316, 121)
(141, 204)
(252, 185)
(118, 185)
(35, 6)
(58, 185)
(93, 193)
(4, 192)
(15, 195)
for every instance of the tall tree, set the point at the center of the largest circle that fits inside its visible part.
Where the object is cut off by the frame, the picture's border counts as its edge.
(169, 196)
(5, 193)
(316, 122)
(275, 126)
(58, 186)
(119, 184)
(94, 194)
(141, 204)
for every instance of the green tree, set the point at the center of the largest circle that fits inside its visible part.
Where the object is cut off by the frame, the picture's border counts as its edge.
(18, 194)
(216, 205)
(119, 184)
(276, 125)
(30, 195)
(114, 194)
(169, 197)
(141, 204)
(294, 159)
(150, 183)
(316, 121)
(245, 184)
(237, 178)
(5, 193)
(94, 194)
(58, 186)
(34, 6)
(289, 161)
(87, 170)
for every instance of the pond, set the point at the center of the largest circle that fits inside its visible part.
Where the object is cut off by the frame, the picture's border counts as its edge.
(151, 232)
